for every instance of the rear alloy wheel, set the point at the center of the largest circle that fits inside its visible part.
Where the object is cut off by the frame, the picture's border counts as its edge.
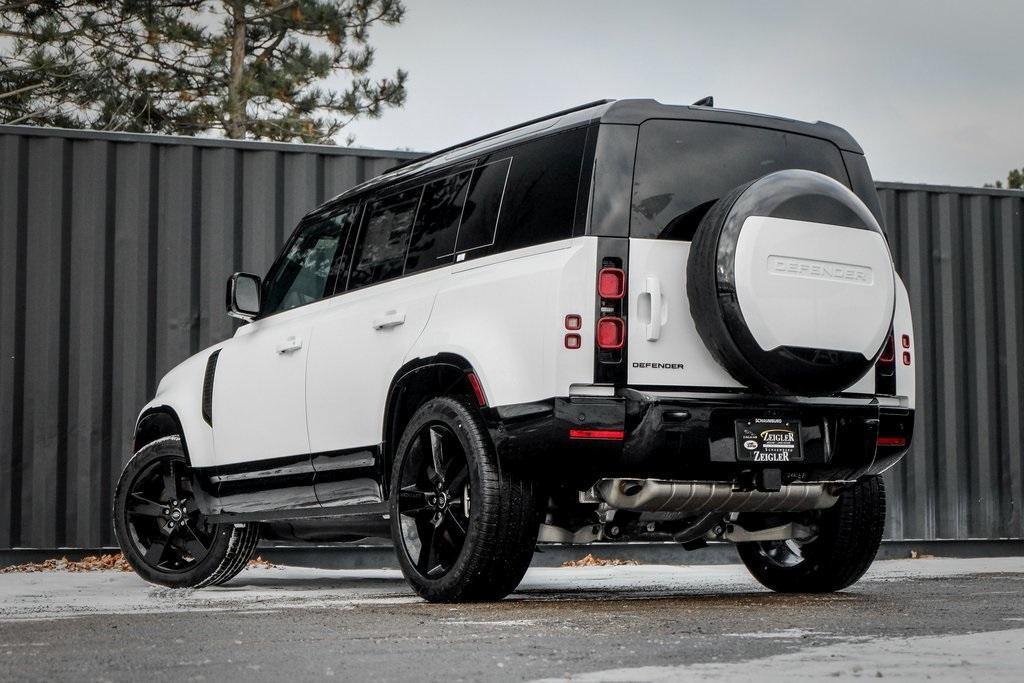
(463, 529)
(161, 530)
(848, 536)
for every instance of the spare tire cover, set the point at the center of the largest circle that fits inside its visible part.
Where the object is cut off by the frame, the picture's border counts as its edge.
(791, 284)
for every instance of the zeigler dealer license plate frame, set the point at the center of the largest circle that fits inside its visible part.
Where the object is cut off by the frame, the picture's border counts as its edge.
(768, 439)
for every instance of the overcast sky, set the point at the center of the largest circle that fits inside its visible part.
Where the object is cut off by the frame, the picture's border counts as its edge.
(933, 91)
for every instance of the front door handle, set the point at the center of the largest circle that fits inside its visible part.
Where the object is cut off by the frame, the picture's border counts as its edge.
(389, 319)
(289, 345)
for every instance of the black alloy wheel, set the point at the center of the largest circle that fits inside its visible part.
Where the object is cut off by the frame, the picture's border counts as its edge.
(848, 536)
(162, 531)
(464, 528)
(163, 521)
(433, 500)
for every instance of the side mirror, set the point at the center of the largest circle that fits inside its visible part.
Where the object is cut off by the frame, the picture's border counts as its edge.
(244, 296)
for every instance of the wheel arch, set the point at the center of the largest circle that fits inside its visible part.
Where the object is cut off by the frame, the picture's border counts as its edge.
(445, 374)
(156, 423)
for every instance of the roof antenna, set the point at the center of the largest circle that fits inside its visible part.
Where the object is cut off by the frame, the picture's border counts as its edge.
(708, 101)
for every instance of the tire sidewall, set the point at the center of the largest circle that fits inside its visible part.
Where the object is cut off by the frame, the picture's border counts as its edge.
(458, 418)
(168, 447)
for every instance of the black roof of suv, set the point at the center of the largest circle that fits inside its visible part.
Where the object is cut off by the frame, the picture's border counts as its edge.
(627, 112)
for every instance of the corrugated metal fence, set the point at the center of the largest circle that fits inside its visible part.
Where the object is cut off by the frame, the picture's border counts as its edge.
(961, 254)
(114, 250)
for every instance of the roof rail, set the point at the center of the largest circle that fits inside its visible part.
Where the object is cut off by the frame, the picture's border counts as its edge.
(480, 138)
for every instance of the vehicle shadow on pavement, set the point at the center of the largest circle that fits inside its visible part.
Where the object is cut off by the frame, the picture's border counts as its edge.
(376, 585)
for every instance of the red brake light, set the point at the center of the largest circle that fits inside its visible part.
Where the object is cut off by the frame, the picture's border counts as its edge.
(611, 283)
(573, 341)
(906, 357)
(906, 341)
(573, 322)
(611, 333)
(606, 434)
(892, 441)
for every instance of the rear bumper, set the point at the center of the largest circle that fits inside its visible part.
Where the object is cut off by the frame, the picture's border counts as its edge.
(689, 436)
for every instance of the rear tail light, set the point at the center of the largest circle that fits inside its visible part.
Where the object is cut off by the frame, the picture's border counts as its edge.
(573, 341)
(889, 352)
(604, 434)
(896, 441)
(906, 341)
(906, 357)
(611, 283)
(611, 333)
(573, 322)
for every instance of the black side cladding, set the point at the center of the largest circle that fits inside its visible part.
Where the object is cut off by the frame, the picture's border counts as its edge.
(211, 370)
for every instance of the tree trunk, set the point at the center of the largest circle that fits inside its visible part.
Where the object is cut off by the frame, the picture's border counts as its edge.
(236, 100)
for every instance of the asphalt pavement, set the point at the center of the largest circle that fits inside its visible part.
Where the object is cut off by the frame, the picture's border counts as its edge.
(927, 619)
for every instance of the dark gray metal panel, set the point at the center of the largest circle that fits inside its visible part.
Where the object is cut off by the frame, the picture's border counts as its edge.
(114, 251)
(220, 233)
(43, 448)
(261, 231)
(299, 196)
(960, 253)
(1009, 286)
(178, 218)
(11, 316)
(88, 395)
(136, 177)
(341, 173)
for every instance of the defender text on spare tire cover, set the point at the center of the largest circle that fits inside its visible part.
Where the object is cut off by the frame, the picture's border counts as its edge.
(790, 284)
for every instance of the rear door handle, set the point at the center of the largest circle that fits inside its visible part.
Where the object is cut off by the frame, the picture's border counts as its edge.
(389, 319)
(656, 313)
(289, 345)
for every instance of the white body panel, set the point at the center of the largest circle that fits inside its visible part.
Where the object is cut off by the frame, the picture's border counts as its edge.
(259, 397)
(675, 340)
(902, 324)
(505, 315)
(814, 285)
(360, 340)
(181, 391)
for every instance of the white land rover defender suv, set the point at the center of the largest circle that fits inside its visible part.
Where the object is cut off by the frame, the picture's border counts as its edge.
(625, 320)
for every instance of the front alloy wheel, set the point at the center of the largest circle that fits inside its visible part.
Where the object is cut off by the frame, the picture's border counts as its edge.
(162, 532)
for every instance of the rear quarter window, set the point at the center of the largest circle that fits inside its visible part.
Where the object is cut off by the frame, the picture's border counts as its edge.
(532, 193)
(683, 167)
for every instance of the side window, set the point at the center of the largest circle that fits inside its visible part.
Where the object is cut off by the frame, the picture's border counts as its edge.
(301, 274)
(437, 222)
(483, 206)
(540, 197)
(380, 252)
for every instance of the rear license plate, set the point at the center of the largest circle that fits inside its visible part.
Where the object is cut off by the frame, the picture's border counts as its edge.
(767, 439)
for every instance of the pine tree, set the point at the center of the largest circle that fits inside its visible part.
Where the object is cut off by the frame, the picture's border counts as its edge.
(248, 68)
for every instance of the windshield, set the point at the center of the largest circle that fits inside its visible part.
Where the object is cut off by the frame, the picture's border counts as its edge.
(683, 167)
